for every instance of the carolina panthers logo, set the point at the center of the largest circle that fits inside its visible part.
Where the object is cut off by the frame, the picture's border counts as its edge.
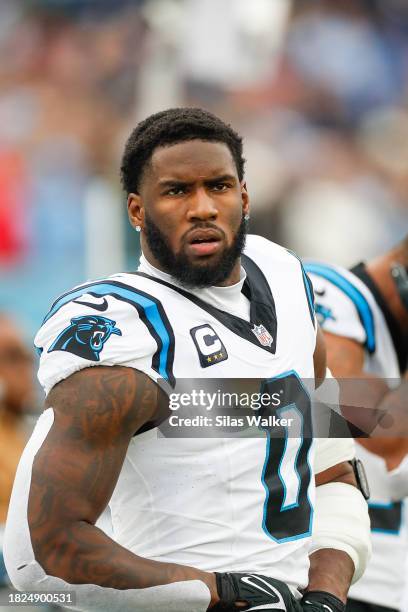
(85, 336)
(323, 313)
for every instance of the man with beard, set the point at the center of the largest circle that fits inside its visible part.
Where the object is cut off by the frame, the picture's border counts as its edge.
(199, 523)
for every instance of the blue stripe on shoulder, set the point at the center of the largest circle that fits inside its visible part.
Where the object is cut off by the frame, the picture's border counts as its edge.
(307, 283)
(140, 300)
(354, 294)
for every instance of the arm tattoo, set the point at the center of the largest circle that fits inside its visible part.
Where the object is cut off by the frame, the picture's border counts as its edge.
(96, 412)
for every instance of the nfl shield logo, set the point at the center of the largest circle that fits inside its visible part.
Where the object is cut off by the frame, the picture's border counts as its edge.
(262, 334)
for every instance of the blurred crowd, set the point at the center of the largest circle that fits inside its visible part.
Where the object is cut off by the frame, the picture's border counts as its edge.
(318, 89)
(17, 405)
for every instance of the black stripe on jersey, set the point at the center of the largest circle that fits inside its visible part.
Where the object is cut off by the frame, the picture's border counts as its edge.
(258, 291)
(157, 338)
(262, 305)
(386, 518)
(308, 287)
(142, 314)
(398, 339)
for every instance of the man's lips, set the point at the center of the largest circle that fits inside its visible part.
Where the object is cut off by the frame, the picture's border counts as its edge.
(204, 248)
(202, 242)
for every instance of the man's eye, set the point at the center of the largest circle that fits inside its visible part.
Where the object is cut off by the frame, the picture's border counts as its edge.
(220, 187)
(175, 191)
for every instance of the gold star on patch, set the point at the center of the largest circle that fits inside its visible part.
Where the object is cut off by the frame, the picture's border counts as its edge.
(209, 359)
(220, 356)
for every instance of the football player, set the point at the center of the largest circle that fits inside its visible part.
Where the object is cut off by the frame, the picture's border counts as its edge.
(364, 314)
(204, 523)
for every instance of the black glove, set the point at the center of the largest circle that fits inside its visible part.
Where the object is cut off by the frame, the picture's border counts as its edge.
(320, 601)
(259, 593)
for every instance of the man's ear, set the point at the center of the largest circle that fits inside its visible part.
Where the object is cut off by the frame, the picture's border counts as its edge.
(245, 198)
(135, 210)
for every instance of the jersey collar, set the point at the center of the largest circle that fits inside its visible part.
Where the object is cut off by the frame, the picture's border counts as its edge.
(260, 330)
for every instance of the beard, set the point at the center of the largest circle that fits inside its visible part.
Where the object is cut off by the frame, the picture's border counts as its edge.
(179, 266)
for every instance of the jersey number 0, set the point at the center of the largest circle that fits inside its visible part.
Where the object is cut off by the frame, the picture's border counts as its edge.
(286, 474)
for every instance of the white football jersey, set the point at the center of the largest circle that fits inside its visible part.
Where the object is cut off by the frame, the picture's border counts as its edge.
(217, 503)
(347, 307)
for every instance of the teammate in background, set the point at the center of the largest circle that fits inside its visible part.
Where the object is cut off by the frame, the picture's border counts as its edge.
(364, 314)
(16, 395)
(199, 523)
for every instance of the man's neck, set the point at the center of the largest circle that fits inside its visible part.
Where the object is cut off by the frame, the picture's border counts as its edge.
(228, 298)
(148, 260)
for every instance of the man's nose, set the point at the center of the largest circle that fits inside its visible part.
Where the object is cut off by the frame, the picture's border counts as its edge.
(202, 206)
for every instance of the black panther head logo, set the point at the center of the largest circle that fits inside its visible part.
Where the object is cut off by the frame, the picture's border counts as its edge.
(85, 336)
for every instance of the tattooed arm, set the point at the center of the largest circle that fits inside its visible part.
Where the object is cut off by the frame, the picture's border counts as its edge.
(97, 410)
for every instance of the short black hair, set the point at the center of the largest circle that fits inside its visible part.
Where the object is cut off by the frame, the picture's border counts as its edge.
(169, 127)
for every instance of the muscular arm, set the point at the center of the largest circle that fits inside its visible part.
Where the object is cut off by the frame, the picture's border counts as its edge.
(97, 411)
(346, 360)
